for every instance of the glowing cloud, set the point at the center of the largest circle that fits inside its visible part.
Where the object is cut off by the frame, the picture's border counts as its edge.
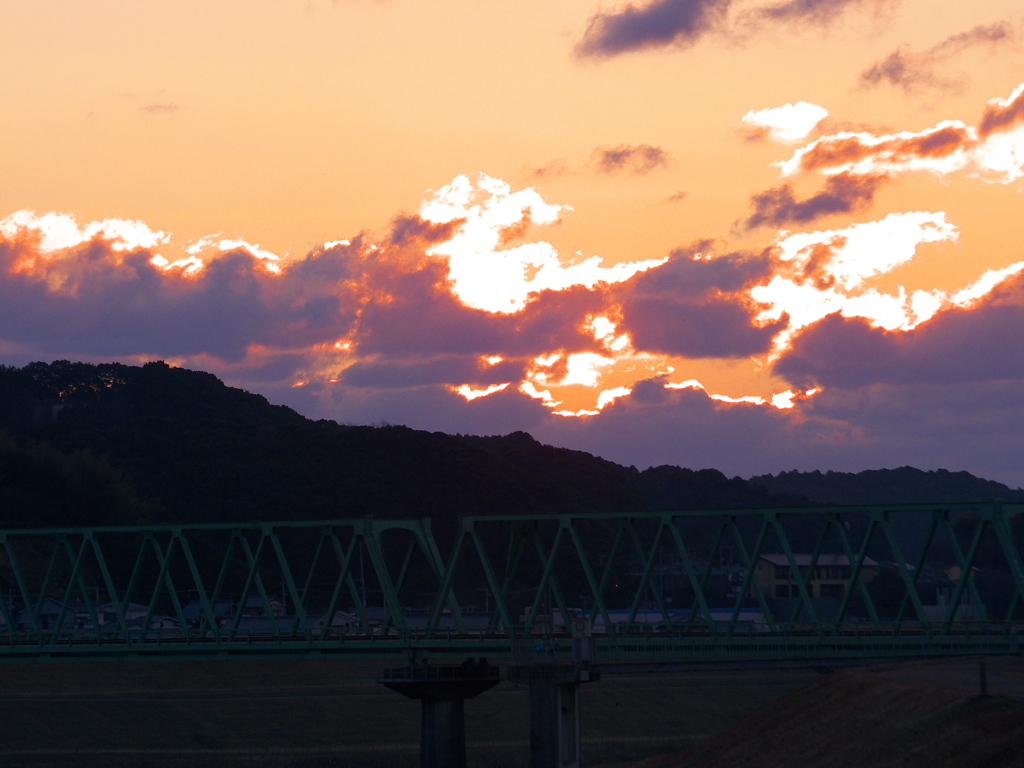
(994, 151)
(60, 231)
(852, 255)
(611, 395)
(781, 400)
(985, 284)
(213, 245)
(787, 124)
(485, 276)
(821, 273)
(470, 393)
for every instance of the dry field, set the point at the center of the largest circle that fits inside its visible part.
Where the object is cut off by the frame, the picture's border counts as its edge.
(313, 714)
(876, 718)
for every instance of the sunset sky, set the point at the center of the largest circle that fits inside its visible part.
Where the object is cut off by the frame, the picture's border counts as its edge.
(756, 235)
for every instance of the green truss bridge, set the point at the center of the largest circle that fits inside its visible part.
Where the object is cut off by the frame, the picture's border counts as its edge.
(558, 600)
(821, 585)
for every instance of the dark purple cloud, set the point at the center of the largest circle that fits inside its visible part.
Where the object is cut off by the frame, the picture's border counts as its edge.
(697, 307)
(93, 299)
(975, 426)
(693, 271)
(420, 315)
(659, 24)
(444, 369)
(808, 11)
(121, 304)
(638, 159)
(1003, 114)
(912, 71)
(715, 327)
(634, 159)
(843, 193)
(957, 345)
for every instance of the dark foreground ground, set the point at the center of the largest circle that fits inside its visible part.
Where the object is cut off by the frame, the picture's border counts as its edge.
(315, 714)
(924, 715)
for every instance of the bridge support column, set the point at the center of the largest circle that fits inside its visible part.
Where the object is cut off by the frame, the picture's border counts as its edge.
(442, 692)
(554, 713)
(442, 733)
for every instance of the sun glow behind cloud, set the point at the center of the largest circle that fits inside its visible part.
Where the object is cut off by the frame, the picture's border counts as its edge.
(465, 300)
(487, 276)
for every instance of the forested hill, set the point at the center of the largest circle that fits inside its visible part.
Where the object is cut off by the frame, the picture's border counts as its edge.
(190, 449)
(85, 444)
(904, 485)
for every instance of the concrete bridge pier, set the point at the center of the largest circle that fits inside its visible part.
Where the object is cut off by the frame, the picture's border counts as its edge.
(442, 691)
(554, 712)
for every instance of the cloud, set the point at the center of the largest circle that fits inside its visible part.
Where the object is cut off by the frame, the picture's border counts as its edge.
(631, 159)
(403, 372)
(807, 11)
(843, 193)
(419, 307)
(486, 276)
(551, 170)
(1003, 115)
(636, 159)
(159, 108)
(977, 342)
(946, 148)
(821, 273)
(682, 23)
(459, 317)
(975, 427)
(115, 294)
(787, 124)
(993, 151)
(676, 197)
(716, 327)
(914, 71)
(659, 24)
(698, 307)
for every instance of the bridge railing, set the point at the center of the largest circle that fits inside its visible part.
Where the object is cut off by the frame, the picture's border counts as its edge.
(867, 581)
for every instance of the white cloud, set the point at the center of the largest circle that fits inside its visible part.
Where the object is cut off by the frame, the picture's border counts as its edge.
(486, 276)
(787, 124)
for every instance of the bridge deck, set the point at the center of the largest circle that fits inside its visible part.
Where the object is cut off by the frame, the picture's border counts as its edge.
(829, 584)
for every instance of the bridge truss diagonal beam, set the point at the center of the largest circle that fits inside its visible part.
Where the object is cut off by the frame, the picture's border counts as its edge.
(716, 585)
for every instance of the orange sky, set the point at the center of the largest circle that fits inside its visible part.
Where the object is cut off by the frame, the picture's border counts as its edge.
(274, 127)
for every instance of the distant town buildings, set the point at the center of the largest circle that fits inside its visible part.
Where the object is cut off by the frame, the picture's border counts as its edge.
(831, 574)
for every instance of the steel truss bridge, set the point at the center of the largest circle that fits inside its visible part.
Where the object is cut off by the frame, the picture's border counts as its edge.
(818, 585)
(560, 599)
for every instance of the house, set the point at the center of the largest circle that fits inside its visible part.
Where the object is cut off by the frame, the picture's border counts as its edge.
(107, 614)
(222, 611)
(254, 605)
(160, 627)
(342, 622)
(49, 616)
(832, 574)
(260, 625)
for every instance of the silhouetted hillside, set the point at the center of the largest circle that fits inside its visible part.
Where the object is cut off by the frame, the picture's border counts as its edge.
(904, 485)
(112, 443)
(40, 485)
(197, 450)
